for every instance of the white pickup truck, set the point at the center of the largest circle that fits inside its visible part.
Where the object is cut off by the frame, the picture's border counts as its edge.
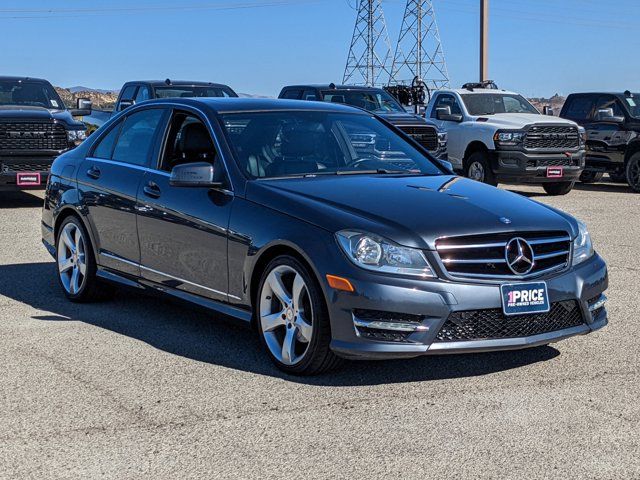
(498, 136)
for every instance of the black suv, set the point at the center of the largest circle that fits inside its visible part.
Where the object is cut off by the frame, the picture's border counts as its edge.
(35, 127)
(380, 102)
(612, 122)
(138, 91)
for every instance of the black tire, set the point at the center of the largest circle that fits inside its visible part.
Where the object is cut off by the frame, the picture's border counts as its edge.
(560, 188)
(618, 177)
(633, 172)
(91, 289)
(318, 357)
(477, 168)
(591, 176)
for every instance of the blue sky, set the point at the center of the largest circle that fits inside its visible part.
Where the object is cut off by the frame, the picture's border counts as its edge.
(537, 47)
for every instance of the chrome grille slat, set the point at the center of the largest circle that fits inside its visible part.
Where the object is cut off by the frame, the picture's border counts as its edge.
(484, 256)
(551, 137)
(425, 135)
(32, 136)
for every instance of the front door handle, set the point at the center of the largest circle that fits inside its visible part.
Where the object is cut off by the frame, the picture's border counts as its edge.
(94, 172)
(151, 190)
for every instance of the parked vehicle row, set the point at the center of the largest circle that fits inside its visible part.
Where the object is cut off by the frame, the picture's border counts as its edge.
(271, 211)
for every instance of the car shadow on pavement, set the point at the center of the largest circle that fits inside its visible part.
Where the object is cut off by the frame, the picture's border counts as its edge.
(180, 330)
(19, 200)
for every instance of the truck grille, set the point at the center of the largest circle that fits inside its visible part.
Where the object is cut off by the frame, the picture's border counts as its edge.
(485, 256)
(24, 167)
(23, 136)
(554, 162)
(493, 324)
(423, 134)
(551, 138)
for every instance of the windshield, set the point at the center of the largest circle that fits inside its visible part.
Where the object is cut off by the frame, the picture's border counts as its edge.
(492, 103)
(633, 104)
(311, 143)
(176, 91)
(29, 93)
(377, 101)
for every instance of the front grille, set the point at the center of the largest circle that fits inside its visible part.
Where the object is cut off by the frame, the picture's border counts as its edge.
(24, 167)
(484, 256)
(554, 162)
(551, 138)
(23, 136)
(423, 134)
(494, 324)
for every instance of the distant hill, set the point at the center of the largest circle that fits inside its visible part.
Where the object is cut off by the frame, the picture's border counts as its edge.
(87, 89)
(100, 99)
(556, 102)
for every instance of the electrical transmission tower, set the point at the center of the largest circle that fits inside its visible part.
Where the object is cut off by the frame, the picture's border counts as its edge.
(369, 60)
(419, 50)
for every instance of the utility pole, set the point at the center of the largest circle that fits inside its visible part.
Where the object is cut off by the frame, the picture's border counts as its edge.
(484, 40)
(369, 57)
(419, 51)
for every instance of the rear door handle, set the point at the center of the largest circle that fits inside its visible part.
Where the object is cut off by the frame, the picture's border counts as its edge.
(94, 172)
(151, 190)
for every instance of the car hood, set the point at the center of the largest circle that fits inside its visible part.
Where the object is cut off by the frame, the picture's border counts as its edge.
(10, 113)
(411, 210)
(519, 120)
(404, 119)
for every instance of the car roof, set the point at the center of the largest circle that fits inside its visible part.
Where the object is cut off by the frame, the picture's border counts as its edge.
(229, 105)
(328, 86)
(10, 78)
(600, 93)
(177, 83)
(476, 91)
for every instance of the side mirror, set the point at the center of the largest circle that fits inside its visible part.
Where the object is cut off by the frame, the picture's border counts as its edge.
(444, 114)
(446, 164)
(84, 106)
(200, 174)
(606, 115)
(125, 104)
(547, 110)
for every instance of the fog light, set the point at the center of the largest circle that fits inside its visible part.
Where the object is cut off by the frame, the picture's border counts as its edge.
(598, 303)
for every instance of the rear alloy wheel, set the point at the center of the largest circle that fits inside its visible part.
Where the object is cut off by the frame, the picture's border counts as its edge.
(633, 172)
(591, 176)
(478, 169)
(292, 319)
(76, 264)
(560, 188)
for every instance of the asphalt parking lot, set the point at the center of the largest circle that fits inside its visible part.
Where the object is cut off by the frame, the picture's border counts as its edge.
(143, 388)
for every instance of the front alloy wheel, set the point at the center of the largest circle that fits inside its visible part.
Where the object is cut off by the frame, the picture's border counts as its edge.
(633, 172)
(292, 318)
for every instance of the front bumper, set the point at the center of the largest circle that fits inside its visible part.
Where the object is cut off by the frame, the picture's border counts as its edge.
(517, 166)
(11, 168)
(434, 301)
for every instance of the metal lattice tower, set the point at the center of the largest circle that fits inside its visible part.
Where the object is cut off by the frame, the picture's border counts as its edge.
(369, 60)
(420, 37)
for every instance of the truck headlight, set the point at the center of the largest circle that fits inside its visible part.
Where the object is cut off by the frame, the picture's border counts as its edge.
(508, 137)
(582, 245)
(582, 133)
(375, 253)
(442, 139)
(76, 136)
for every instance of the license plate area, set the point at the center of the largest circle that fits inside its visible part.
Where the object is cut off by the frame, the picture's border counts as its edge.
(28, 179)
(555, 172)
(525, 298)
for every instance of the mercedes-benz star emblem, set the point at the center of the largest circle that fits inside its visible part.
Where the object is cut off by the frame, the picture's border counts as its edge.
(519, 256)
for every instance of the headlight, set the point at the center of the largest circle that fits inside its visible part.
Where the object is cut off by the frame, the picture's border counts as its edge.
(76, 136)
(508, 137)
(442, 138)
(582, 133)
(582, 246)
(375, 253)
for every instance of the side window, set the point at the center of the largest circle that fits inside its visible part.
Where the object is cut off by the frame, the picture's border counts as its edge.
(309, 95)
(188, 141)
(143, 94)
(579, 108)
(292, 94)
(128, 95)
(136, 137)
(446, 100)
(609, 101)
(104, 147)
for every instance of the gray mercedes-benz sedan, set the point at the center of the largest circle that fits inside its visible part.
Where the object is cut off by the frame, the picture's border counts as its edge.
(330, 231)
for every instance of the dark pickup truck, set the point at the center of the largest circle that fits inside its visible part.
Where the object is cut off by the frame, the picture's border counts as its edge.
(612, 123)
(35, 127)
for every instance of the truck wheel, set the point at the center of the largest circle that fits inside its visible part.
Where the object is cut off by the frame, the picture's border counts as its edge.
(618, 177)
(633, 172)
(478, 168)
(560, 188)
(591, 176)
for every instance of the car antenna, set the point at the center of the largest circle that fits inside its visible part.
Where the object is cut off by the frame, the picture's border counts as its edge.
(628, 94)
(332, 86)
(167, 81)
